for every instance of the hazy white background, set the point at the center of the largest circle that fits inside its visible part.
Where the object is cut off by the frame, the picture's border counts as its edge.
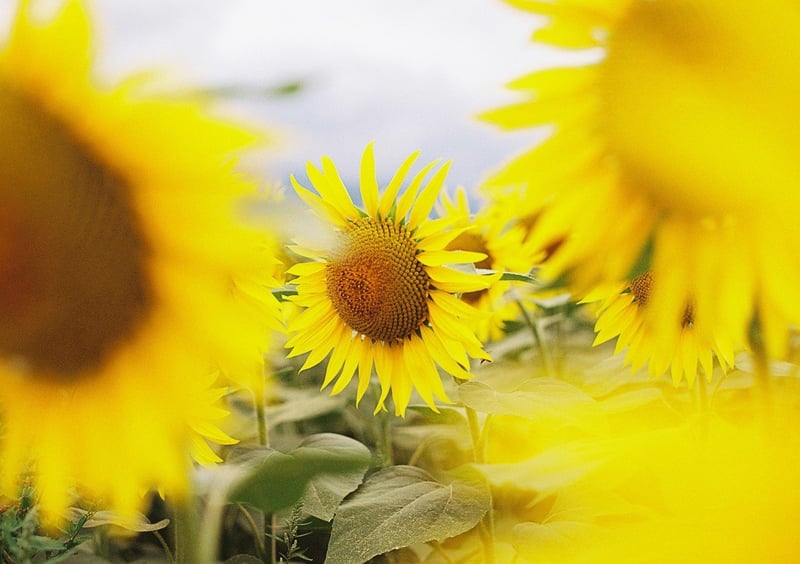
(408, 74)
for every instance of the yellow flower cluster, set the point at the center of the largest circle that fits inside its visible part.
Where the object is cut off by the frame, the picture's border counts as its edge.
(133, 297)
(671, 154)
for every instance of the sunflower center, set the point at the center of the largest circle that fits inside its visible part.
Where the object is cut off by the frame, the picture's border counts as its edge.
(375, 282)
(640, 288)
(695, 98)
(72, 280)
(469, 241)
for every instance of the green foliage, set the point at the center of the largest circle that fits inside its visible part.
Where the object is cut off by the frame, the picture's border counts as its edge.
(321, 471)
(22, 541)
(290, 538)
(504, 392)
(404, 505)
(551, 541)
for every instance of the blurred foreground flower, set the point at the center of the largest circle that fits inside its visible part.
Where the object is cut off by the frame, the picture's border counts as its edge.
(382, 294)
(679, 142)
(600, 468)
(119, 277)
(620, 311)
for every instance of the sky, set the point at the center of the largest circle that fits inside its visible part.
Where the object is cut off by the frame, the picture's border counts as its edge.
(408, 75)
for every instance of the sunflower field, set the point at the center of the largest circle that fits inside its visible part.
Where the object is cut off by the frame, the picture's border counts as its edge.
(590, 356)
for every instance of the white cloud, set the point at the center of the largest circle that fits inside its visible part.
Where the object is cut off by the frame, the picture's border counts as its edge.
(409, 74)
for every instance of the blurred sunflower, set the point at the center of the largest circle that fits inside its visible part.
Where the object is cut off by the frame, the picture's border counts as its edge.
(382, 294)
(121, 274)
(503, 250)
(675, 140)
(619, 314)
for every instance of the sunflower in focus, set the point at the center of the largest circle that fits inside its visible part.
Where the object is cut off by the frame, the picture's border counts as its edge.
(675, 140)
(620, 310)
(121, 275)
(503, 250)
(382, 295)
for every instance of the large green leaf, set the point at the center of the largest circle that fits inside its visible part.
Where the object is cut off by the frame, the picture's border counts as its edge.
(540, 399)
(401, 506)
(556, 541)
(553, 469)
(329, 466)
(327, 490)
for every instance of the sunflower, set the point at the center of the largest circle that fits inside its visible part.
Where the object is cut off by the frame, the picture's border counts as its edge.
(382, 294)
(121, 274)
(503, 248)
(673, 147)
(620, 312)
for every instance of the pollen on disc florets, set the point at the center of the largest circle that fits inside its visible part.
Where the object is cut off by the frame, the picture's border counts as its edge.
(642, 286)
(375, 282)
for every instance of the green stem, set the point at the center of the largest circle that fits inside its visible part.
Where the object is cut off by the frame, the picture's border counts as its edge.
(261, 416)
(763, 384)
(273, 538)
(475, 432)
(186, 537)
(257, 532)
(385, 448)
(486, 526)
(537, 336)
(164, 546)
(263, 440)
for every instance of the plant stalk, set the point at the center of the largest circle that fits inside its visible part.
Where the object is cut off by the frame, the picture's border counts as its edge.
(537, 337)
(186, 537)
(486, 526)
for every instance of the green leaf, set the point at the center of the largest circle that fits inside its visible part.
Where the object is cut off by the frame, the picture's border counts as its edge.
(553, 469)
(519, 277)
(135, 522)
(326, 491)
(404, 505)
(277, 480)
(556, 541)
(38, 542)
(547, 399)
(445, 415)
(303, 405)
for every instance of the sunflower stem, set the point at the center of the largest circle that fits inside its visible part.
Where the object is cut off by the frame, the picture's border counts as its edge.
(263, 440)
(761, 371)
(478, 455)
(165, 547)
(261, 416)
(486, 526)
(385, 448)
(537, 337)
(186, 537)
(259, 541)
(273, 538)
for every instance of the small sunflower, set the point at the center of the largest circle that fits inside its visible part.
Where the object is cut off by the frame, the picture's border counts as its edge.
(503, 249)
(383, 295)
(620, 312)
(675, 140)
(121, 274)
